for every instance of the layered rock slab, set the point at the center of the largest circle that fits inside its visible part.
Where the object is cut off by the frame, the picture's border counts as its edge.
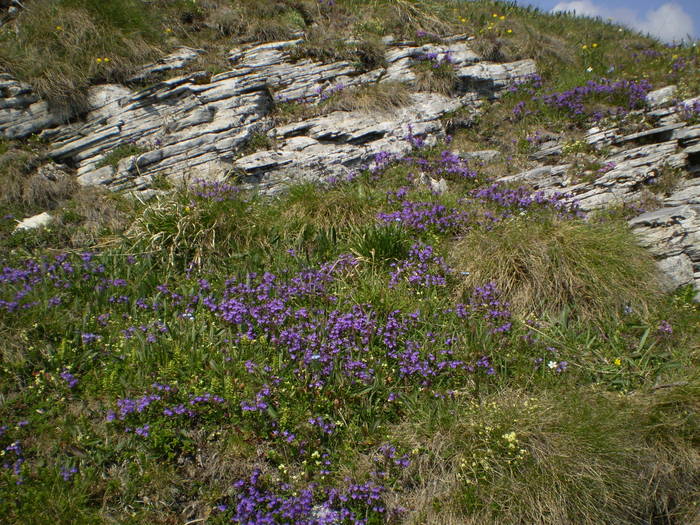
(635, 165)
(196, 125)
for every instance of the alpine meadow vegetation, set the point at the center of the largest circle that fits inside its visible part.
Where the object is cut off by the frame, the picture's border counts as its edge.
(364, 351)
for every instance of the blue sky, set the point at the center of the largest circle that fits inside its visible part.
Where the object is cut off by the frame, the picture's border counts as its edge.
(669, 20)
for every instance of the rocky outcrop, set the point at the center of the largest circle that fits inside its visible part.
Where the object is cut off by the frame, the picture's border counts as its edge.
(37, 221)
(657, 168)
(196, 125)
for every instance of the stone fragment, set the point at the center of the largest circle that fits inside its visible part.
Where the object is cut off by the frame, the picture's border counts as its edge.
(37, 221)
(660, 97)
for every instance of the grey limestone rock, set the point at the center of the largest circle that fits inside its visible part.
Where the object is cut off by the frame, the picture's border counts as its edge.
(194, 125)
(197, 125)
(37, 221)
(672, 232)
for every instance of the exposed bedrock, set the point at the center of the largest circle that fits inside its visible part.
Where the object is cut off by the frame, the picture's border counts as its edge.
(197, 125)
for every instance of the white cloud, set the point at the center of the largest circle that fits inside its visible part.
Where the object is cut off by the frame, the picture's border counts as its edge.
(668, 22)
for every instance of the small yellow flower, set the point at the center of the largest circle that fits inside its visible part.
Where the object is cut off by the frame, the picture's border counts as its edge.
(98, 60)
(594, 44)
(511, 437)
(674, 57)
(584, 46)
(509, 31)
(105, 59)
(501, 17)
(494, 15)
(59, 28)
(168, 30)
(618, 361)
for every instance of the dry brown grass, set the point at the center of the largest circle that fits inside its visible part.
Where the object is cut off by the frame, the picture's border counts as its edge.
(441, 79)
(48, 187)
(15, 167)
(543, 266)
(372, 98)
(57, 52)
(587, 462)
(103, 216)
(252, 20)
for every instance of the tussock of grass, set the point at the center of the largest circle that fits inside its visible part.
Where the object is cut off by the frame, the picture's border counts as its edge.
(339, 208)
(251, 20)
(57, 45)
(441, 79)
(373, 98)
(380, 243)
(15, 167)
(547, 265)
(187, 231)
(552, 459)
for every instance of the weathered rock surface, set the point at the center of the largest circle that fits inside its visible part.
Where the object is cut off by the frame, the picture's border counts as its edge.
(634, 170)
(37, 221)
(195, 125)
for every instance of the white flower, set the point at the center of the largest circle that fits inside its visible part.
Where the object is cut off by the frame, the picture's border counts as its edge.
(552, 364)
(589, 69)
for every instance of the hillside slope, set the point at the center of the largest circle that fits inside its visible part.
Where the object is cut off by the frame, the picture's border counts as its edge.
(346, 262)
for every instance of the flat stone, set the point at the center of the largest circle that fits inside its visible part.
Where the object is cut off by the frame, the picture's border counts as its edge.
(662, 96)
(37, 221)
(487, 155)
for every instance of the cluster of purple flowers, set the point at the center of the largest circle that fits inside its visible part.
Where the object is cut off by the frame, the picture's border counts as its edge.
(528, 84)
(522, 198)
(150, 331)
(260, 401)
(449, 165)
(624, 95)
(483, 364)
(329, 340)
(632, 93)
(217, 191)
(326, 93)
(608, 166)
(68, 472)
(59, 273)
(422, 268)
(69, 378)
(690, 110)
(254, 502)
(168, 402)
(665, 328)
(327, 427)
(389, 459)
(426, 216)
(485, 302)
(437, 59)
(15, 449)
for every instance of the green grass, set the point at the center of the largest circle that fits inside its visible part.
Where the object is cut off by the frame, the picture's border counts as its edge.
(120, 152)
(609, 440)
(591, 414)
(56, 45)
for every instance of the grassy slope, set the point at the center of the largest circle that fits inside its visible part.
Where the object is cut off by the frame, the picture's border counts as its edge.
(585, 410)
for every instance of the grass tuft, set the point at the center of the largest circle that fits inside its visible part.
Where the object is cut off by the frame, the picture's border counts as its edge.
(547, 265)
